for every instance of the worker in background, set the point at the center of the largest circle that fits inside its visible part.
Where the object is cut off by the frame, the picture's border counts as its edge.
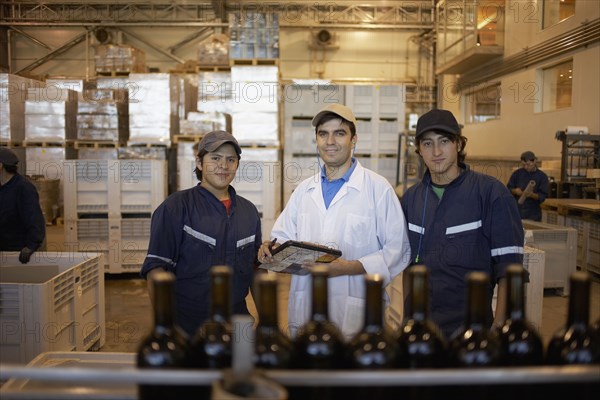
(207, 225)
(22, 223)
(530, 186)
(348, 207)
(459, 221)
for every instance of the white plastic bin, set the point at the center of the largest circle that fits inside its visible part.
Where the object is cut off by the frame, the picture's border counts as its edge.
(560, 245)
(53, 303)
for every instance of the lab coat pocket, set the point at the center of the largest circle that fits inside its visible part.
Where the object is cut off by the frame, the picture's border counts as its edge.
(353, 315)
(359, 230)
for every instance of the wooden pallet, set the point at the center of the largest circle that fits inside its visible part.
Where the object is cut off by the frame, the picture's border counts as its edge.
(253, 61)
(213, 68)
(91, 144)
(187, 138)
(149, 145)
(112, 73)
(10, 143)
(42, 143)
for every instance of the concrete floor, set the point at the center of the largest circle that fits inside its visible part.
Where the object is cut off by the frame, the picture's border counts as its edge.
(129, 316)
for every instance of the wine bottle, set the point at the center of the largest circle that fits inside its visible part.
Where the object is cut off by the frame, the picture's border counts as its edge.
(211, 345)
(167, 345)
(273, 349)
(575, 343)
(425, 344)
(319, 344)
(521, 343)
(475, 344)
(373, 347)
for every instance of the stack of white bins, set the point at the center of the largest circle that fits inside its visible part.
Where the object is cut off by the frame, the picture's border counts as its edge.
(13, 94)
(50, 115)
(108, 204)
(53, 303)
(259, 180)
(153, 108)
(255, 105)
(380, 114)
(215, 92)
(102, 115)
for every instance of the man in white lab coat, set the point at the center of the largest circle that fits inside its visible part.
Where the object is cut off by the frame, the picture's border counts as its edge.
(347, 207)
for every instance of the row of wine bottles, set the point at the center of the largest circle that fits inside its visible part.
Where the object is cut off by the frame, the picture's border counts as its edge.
(417, 344)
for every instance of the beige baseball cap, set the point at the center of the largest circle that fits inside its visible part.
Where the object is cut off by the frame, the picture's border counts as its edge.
(335, 108)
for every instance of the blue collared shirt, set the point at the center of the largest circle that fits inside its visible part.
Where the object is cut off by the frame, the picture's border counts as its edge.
(330, 189)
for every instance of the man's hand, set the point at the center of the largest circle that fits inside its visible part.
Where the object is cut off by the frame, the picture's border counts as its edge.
(25, 255)
(264, 252)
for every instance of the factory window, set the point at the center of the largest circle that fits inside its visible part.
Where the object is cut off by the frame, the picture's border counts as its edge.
(557, 86)
(556, 11)
(483, 104)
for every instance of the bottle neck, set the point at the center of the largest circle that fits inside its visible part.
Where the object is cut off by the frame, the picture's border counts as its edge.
(579, 303)
(374, 306)
(220, 306)
(515, 299)
(320, 307)
(164, 304)
(477, 307)
(267, 304)
(418, 307)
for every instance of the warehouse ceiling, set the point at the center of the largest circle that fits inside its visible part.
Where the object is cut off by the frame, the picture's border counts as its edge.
(398, 14)
(193, 21)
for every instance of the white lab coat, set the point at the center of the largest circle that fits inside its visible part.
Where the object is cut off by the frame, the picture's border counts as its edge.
(365, 221)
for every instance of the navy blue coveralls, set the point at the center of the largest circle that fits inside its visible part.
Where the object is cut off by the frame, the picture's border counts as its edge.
(475, 226)
(22, 223)
(190, 233)
(530, 209)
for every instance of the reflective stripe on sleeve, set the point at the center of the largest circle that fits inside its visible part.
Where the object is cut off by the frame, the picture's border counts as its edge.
(507, 250)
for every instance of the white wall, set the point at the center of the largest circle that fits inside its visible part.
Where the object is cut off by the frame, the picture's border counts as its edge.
(362, 55)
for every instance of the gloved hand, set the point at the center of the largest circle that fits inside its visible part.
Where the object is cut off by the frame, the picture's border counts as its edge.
(25, 255)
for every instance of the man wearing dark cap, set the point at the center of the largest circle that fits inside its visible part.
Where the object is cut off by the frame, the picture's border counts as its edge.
(529, 185)
(207, 225)
(22, 223)
(350, 208)
(459, 221)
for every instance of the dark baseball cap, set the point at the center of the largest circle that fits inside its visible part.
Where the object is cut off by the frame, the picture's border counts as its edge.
(438, 120)
(215, 139)
(528, 156)
(8, 157)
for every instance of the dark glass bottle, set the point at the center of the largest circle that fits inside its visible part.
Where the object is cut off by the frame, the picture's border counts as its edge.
(320, 344)
(521, 343)
(273, 349)
(211, 345)
(426, 345)
(373, 347)
(167, 345)
(575, 343)
(475, 344)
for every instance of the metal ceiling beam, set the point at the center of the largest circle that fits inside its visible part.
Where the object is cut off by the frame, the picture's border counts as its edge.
(33, 39)
(73, 42)
(410, 14)
(201, 35)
